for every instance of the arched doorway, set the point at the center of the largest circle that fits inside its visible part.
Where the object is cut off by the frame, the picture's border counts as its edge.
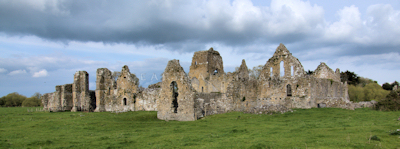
(289, 90)
(174, 90)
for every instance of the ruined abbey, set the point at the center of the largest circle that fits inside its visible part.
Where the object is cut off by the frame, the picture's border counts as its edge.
(206, 89)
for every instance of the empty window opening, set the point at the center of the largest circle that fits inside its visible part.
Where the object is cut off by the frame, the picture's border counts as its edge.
(124, 77)
(289, 90)
(201, 89)
(124, 101)
(134, 98)
(282, 69)
(215, 71)
(195, 63)
(292, 71)
(271, 73)
(174, 89)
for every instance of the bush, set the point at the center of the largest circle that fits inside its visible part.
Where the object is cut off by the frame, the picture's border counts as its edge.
(17, 100)
(375, 138)
(32, 102)
(370, 91)
(390, 103)
(12, 100)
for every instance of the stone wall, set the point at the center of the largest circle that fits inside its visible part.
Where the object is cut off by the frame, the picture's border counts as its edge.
(46, 98)
(176, 100)
(324, 72)
(80, 92)
(207, 71)
(104, 88)
(207, 89)
(66, 97)
(147, 99)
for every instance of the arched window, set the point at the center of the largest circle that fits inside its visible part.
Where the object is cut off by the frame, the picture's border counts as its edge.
(215, 71)
(174, 89)
(282, 69)
(289, 90)
(124, 101)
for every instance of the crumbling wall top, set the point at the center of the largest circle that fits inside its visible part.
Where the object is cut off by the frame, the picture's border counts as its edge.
(281, 50)
(324, 72)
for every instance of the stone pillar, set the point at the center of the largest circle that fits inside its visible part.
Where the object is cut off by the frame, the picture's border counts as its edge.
(80, 92)
(104, 88)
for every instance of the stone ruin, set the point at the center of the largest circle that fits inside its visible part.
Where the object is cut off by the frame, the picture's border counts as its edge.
(207, 89)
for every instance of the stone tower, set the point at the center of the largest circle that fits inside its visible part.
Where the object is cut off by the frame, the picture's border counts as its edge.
(127, 86)
(104, 88)
(80, 92)
(207, 71)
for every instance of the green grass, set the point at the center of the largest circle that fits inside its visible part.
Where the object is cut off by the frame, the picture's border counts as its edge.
(311, 128)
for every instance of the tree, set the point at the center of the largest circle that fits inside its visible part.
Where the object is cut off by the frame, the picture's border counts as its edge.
(255, 72)
(32, 102)
(350, 77)
(37, 95)
(116, 74)
(390, 103)
(387, 86)
(13, 100)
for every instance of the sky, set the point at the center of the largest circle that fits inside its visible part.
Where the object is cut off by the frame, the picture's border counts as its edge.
(44, 42)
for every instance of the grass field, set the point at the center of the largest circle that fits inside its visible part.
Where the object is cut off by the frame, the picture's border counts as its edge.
(303, 128)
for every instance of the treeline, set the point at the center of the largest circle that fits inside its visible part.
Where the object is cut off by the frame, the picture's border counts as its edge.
(18, 100)
(363, 89)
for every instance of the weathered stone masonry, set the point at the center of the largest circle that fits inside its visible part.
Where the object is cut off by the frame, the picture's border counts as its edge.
(207, 89)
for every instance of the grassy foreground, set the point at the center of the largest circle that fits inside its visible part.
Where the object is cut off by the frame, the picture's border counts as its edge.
(303, 128)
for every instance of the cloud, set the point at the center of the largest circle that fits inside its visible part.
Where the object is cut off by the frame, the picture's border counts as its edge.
(17, 72)
(2, 70)
(41, 73)
(168, 23)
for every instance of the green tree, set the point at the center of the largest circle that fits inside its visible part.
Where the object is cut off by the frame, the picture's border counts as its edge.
(356, 93)
(32, 102)
(390, 103)
(2, 101)
(350, 77)
(387, 86)
(13, 100)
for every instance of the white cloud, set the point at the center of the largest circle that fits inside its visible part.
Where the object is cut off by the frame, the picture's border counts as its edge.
(2, 70)
(347, 26)
(16, 72)
(41, 73)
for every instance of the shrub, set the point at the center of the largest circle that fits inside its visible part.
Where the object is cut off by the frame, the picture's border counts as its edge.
(390, 103)
(13, 100)
(375, 138)
(31, 102)
(371, 91)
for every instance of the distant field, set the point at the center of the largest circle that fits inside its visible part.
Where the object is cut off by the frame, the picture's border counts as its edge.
(303, 128)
